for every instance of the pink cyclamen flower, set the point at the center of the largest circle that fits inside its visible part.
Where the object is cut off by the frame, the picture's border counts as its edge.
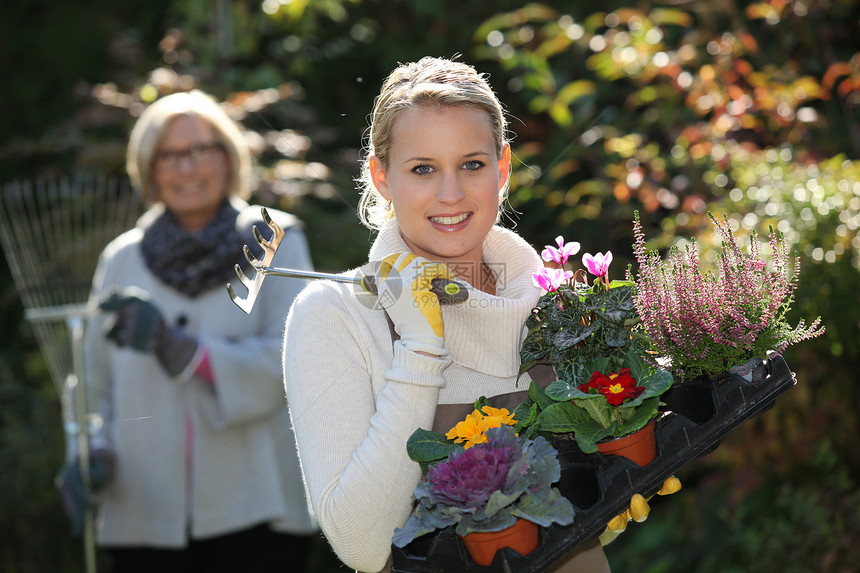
(598, 265)
(562, 253)
(550, 279)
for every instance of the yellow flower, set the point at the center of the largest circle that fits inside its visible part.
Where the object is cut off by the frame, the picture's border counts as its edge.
(471, 430)
(495, 417)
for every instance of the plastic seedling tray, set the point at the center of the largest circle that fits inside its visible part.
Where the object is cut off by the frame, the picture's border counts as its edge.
(697, 415)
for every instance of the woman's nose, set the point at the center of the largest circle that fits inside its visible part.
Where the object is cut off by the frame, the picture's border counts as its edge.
(450, 190)
(186, 163)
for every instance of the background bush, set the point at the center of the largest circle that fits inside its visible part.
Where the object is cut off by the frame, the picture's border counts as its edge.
(751, 108)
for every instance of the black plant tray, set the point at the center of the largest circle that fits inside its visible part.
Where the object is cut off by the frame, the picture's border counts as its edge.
(697, 415)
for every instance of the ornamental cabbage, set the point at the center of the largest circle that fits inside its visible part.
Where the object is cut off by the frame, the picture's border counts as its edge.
(488, 487)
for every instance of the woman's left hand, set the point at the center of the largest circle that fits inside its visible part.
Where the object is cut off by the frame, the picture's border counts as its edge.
(404, 290)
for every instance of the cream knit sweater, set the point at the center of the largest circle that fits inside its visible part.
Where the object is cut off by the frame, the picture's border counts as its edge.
(355, 397)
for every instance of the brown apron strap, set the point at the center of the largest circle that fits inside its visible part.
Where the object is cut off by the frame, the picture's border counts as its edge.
(542, 374)
(447, 415)
(394, 335)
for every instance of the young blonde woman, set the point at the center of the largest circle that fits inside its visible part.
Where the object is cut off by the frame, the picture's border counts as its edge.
(195, 460)
(363, 371)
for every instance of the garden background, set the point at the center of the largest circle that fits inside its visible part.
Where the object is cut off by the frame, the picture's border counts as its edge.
(673, 107)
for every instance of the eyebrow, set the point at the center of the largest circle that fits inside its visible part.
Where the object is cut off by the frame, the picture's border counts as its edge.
(467, 156)
(192, 146)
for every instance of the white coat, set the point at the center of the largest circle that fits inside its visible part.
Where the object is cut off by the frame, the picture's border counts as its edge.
(241, 469)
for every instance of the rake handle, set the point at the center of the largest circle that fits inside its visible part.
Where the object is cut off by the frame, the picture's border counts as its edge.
(448, 291)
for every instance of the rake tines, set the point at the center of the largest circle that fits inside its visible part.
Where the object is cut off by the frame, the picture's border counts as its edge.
(52, 232)
(270, 247)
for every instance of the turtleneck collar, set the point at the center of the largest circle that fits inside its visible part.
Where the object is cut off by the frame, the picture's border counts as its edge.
(485, 332)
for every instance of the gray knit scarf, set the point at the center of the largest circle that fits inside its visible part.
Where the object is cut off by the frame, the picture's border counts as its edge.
(193, 262)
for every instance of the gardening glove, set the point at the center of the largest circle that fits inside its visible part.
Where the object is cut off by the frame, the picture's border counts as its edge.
(138, 324)
(74, 495)
(638, 511)
(403, 283)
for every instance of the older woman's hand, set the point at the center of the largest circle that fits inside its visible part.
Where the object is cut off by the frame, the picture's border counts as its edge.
(139, 325)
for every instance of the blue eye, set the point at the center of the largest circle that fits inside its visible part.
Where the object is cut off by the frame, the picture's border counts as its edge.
(422, 169)
(473, 165)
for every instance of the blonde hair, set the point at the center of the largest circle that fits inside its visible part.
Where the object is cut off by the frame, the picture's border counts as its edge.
(150, 128)
(433, 82)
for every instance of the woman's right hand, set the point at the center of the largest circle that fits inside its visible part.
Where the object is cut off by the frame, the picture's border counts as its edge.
(404, 282)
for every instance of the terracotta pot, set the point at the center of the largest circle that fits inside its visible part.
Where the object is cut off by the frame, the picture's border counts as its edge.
(522, 537)
(640, 447)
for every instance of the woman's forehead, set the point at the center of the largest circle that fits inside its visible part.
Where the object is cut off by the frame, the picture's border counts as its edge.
(434, 129)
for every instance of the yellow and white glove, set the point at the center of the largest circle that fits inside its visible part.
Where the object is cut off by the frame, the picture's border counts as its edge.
(638, 511)
(403, 286)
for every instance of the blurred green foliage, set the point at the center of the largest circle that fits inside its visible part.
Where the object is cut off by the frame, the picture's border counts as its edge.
(751, 108)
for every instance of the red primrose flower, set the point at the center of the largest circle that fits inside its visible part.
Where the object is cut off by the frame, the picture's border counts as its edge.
(616, 386)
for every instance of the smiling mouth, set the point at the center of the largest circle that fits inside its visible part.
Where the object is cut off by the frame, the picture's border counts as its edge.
(450, 220)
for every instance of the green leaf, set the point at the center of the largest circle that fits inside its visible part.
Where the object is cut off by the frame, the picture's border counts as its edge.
(538, 396)
(481, 402)
(638, 417)
(526, 414)
(616, 315)
(598, 365)
(534, 346)
(639, 369)
(499, 521)
(657, 383)
(500, 500)
(526, 366)
(572, 372)
(597, 407)
(588, 435)
(568, 337)
(562, 417)
(544, 510)
(424, 446)
(521, 411)
(619, 283)
(616, 336)
(561, 390)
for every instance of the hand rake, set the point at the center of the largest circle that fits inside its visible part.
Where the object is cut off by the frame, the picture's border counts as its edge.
(449, 292)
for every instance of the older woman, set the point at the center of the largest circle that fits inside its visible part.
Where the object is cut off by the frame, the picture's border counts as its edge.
(206, 476)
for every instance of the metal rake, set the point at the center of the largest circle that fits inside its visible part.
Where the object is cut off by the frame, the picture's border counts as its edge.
(449, 292)
(52, 231)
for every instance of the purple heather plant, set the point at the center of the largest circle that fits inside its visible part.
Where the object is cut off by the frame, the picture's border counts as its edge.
(488, 487)
(705, 323)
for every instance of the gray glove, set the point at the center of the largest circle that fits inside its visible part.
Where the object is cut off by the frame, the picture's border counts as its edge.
(76, 500)
(138, 324)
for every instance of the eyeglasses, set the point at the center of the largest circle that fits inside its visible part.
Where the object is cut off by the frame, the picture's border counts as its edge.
(197, 155)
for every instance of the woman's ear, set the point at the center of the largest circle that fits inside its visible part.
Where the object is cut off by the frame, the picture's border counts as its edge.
(504, 167)
(378, 176)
